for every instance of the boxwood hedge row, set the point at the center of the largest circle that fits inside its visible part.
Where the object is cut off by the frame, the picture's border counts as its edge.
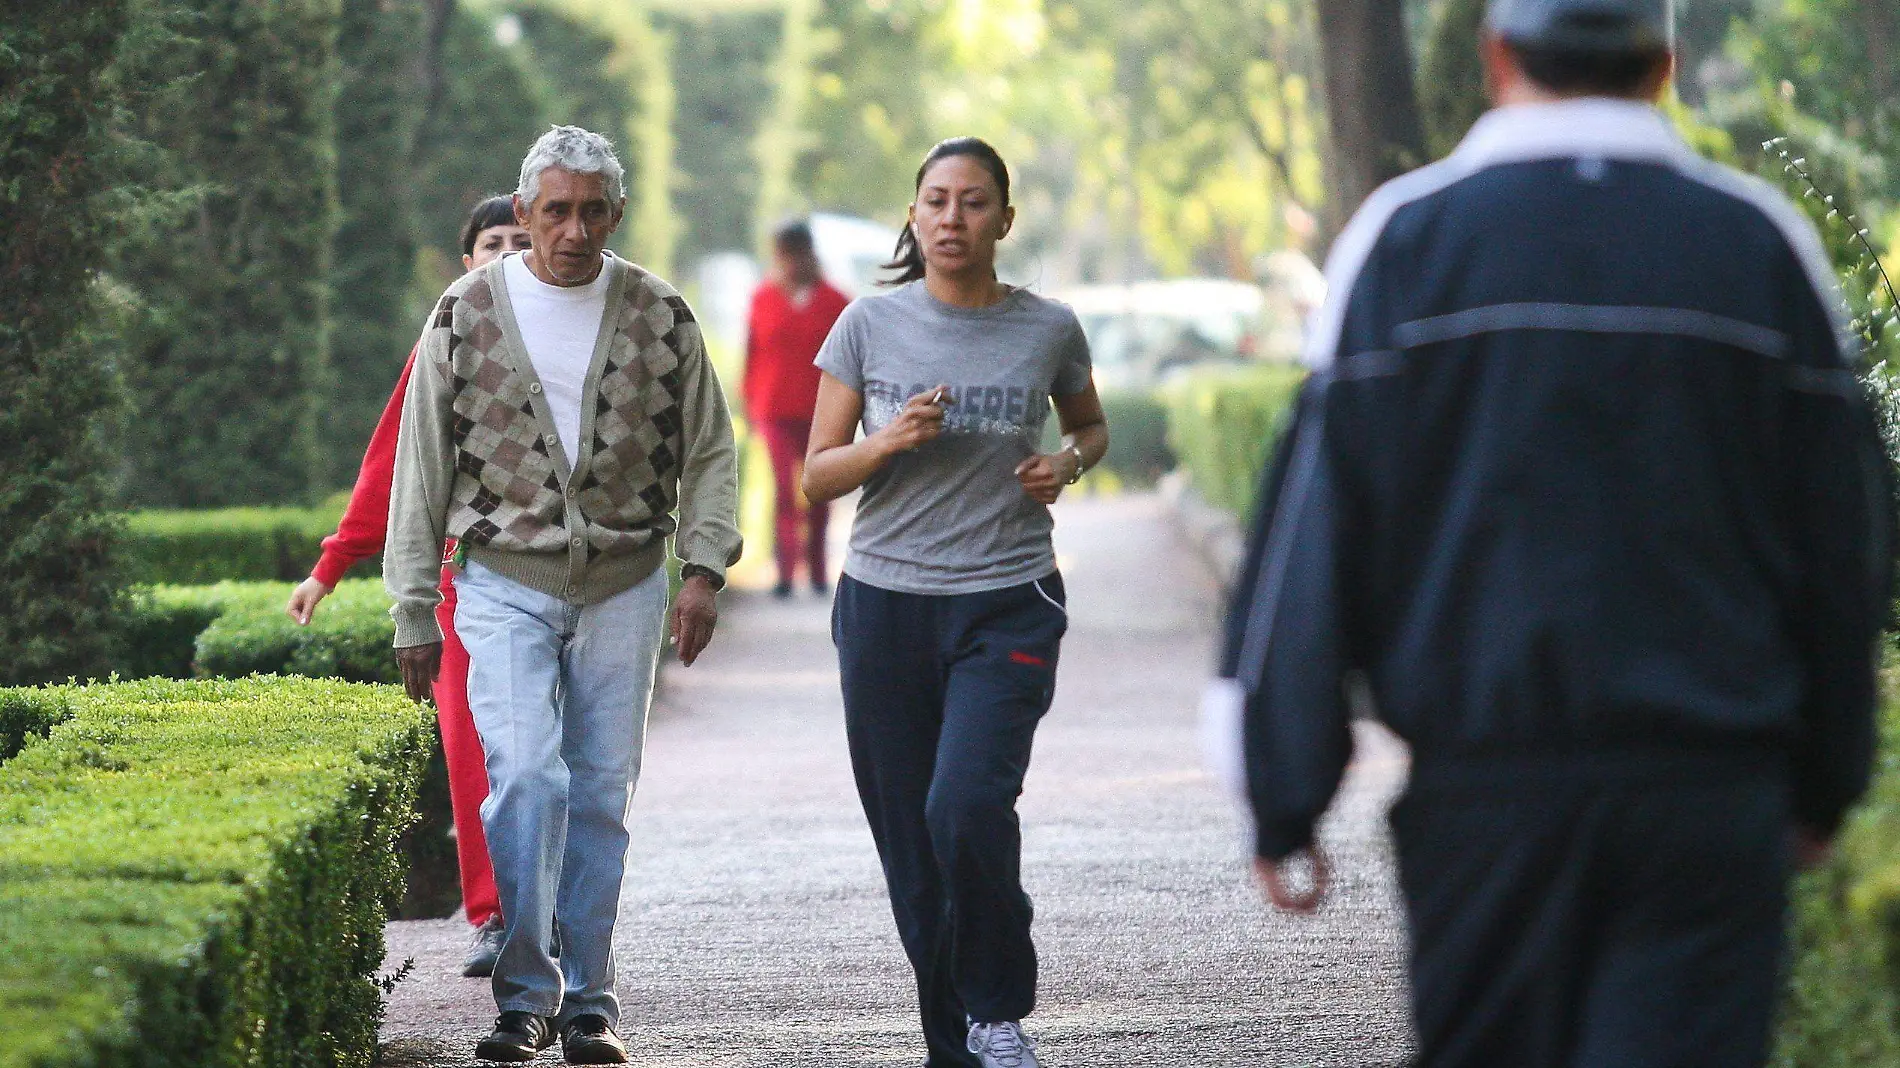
(197, 873)
(1223, 422)
(232, 629)
(196, 547)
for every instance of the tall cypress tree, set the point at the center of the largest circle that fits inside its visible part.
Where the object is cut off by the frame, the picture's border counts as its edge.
(488, 112)
(380, 101)
(231, 345)
(57, 588)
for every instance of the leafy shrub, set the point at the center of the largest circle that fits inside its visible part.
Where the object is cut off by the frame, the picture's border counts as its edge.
(1222, 425)
(351, 636)
(158, 633)
(1138, 450)
(58, 589)
(234, 629)
(190, 548)
(1843, 1002)
(28, 713)
(196, 873)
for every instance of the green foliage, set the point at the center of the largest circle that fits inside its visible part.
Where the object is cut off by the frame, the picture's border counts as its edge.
(583, 44)
(1842, 1010)
(188, 547)
(234, 629)
(158, 633)
(197, 874)
(1225, 150)
(721, 63)
(350, 637)
(1222, 425)
(27, 714)
(488, 109)
(57, 581)
(1138, 450)
(228, 331)
(379, 106)
(1451, 93)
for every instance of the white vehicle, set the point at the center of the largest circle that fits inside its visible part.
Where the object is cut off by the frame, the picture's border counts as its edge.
(852, 251)
(1140, 332)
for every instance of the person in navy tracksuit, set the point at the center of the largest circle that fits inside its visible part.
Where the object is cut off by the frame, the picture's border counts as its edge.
(1583, 486)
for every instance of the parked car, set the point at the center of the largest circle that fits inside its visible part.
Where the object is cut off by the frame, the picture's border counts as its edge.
(1144, 331)
(1141, 332)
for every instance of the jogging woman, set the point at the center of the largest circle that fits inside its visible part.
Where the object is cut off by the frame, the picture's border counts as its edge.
(950, 614)
(491, 231)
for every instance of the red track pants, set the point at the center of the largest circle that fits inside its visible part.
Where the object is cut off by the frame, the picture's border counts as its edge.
(468, 768)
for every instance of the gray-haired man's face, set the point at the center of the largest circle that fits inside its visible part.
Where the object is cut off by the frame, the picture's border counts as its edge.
(569, 224)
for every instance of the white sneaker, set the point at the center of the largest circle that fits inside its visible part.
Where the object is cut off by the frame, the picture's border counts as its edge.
(1003, 1045)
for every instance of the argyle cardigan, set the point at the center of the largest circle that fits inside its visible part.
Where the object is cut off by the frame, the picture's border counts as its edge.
(478, 457)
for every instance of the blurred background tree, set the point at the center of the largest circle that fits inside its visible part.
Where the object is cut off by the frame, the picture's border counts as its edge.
(293, 173)
(58, 586)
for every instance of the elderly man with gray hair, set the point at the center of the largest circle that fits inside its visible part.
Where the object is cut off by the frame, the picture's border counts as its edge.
(562, 411)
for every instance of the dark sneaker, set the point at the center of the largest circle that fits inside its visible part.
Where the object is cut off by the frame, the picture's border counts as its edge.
(485, 950)
(517, 1037)
(782, 591)
(587, 1039)
(821, 587)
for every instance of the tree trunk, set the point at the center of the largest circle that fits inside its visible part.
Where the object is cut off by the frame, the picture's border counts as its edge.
(1370, 100)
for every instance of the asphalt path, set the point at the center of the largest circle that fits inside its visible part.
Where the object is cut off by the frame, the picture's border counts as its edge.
(754, 928)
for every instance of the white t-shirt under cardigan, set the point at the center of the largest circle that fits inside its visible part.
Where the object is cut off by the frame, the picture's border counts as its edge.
(559, 325)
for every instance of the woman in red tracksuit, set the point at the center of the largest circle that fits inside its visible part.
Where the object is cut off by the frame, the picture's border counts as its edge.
(791, 315)
(491, 231)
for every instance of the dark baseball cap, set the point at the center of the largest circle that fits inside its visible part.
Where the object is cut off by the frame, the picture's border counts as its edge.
(1583, 25)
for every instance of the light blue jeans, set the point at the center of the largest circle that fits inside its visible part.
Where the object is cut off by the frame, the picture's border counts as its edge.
(560, 695)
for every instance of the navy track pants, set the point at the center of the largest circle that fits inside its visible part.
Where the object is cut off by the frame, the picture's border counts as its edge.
(942, 695)
(1576, 921)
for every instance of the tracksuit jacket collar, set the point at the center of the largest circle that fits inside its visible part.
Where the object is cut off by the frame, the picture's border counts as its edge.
(1589, 127)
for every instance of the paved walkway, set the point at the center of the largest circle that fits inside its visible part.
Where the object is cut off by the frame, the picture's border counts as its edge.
(755, 931)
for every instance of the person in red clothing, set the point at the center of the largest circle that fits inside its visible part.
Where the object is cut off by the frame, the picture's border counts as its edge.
(791, 316)
(491, 231)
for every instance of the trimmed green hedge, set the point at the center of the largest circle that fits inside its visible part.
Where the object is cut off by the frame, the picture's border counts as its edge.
(1138, 450)
(190, 548)
(351, 637)
(1222, 424)
(197, 873)
(233, 629)
(25, 714)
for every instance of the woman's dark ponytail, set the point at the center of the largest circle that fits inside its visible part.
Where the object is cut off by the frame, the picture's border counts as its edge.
(907, 260)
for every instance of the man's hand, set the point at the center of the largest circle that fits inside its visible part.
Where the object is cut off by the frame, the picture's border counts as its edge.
(1043, 477)
(695, 614)
(305, 598)
(1274, 880)
(420, 665)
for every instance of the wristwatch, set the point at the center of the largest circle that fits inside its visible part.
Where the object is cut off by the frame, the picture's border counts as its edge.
(689, 570)
(1081, 465)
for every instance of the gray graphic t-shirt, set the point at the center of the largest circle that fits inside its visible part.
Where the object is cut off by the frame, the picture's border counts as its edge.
(951, 517)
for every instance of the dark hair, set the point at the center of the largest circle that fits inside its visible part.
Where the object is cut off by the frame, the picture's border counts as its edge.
(908, 260)
(1589, 73)
(495, 211)
(793, 237)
